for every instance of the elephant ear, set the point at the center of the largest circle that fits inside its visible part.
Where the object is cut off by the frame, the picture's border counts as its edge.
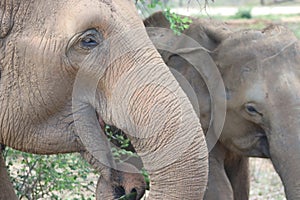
(196, 46)
(217, 31)
(8, 10)
(157, 19)
(203, 63)
(208, 33)
(247, 46)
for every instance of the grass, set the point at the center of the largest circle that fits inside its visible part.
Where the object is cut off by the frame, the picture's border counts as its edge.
(250, 3)
(290, 21)
(259, 23)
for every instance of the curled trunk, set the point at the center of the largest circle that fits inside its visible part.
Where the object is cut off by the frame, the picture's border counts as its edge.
(167, 132)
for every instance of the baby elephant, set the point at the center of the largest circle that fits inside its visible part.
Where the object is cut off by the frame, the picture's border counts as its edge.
(261, 73)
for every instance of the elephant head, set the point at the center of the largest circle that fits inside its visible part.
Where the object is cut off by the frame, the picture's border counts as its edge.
(67, 66)
(261, 71)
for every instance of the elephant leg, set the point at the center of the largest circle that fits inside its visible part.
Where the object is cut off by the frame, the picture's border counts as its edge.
(6, 188)
(237, 169)
(219, 186)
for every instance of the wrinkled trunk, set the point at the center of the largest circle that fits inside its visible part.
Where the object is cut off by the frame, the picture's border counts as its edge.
(168, 136)
(284, 142)
(148, 104)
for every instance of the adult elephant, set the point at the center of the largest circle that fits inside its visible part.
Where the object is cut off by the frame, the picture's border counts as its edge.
(69, 66)
(261, 73)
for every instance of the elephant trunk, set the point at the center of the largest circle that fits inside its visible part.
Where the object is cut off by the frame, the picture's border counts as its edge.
(163, 128)
(182, 179)
(284, 150)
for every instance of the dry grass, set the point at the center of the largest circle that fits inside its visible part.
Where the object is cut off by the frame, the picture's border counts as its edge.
(292, 22)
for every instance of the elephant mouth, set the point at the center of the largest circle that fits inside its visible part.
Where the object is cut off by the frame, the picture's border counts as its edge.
(101, 122)
(258, 147)
(261, 148)
(111, 131)
(119, 140)
(118, 188)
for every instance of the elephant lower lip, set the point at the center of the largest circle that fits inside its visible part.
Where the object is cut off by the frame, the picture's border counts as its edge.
(261, 148)
(264, 146)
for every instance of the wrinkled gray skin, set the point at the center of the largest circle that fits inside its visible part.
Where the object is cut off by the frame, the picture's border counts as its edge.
(261, 73)
(43, 47)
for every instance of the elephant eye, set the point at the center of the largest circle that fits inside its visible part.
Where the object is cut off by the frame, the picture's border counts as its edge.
(250, 109)
(90, 39)
(89, 42)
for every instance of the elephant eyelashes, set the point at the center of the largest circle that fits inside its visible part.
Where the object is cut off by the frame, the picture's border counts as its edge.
(82, 44)
(89, 40)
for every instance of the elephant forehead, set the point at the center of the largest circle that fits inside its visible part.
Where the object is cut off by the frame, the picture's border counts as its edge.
(108, 16)
(288, 80)
(64, 18)
(79, 15)
(289, 85)
(256, 91)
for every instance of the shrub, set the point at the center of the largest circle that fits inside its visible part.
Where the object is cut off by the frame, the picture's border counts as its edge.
(51, 176)
(243, 13)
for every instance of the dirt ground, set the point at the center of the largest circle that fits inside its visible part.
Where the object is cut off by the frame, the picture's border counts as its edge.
(265, 182)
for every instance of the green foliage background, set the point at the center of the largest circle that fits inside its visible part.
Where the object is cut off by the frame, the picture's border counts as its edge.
(49, 177)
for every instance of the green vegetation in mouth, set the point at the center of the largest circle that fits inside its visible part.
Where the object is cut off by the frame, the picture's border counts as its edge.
(128, 196)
